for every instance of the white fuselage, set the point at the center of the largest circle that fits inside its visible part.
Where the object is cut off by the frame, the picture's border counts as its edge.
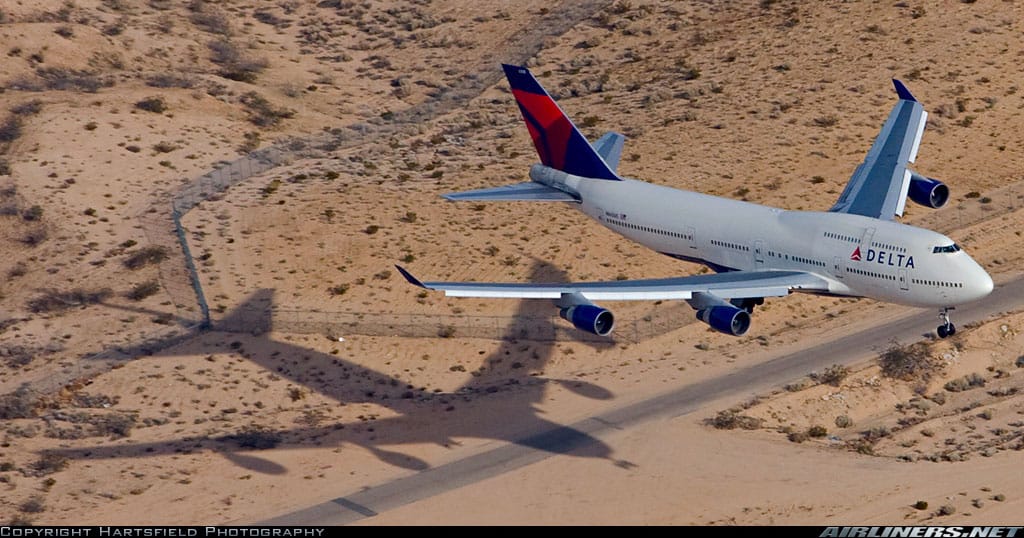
(859, 256)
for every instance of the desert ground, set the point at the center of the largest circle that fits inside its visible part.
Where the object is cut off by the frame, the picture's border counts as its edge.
(118, 408)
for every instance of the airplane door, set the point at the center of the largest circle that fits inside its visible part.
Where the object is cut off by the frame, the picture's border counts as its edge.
(691, 238)
(759, 254)
(837, 267)
(904, 285)
(865, 242)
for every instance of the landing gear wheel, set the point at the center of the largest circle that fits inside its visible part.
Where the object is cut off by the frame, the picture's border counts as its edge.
(947, 328)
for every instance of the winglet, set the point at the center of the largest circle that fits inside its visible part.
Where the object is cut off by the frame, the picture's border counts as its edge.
(902, 91)
(412, 280)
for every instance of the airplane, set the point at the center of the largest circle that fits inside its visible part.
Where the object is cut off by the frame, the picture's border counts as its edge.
(855, 249)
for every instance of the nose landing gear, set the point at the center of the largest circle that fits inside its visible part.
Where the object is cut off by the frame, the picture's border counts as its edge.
(947, 328)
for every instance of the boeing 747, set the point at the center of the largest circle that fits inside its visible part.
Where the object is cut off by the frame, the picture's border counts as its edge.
(855, 249)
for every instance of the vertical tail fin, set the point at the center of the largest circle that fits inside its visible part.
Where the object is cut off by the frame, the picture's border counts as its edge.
(559, 143)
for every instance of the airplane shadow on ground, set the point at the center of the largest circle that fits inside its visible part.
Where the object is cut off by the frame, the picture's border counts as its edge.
(506, 383)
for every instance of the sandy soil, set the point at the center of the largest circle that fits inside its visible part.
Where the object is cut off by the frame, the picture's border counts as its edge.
(773, 102)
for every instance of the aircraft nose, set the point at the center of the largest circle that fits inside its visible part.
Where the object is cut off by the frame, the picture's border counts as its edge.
(981, 284)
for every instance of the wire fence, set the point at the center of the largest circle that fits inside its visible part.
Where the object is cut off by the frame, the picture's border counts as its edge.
(162, 225)
(532, 328)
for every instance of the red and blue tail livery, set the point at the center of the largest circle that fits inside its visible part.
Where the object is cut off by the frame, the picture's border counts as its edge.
(559, 143)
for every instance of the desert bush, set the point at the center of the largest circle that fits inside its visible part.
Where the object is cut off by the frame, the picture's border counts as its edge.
(235, 64)
(116, 28)
(921, 505)
(797, 437)
(32, 505)
(909, 363)
(33, 213)
(146, 256)
(862, 446)
(843, 421)
(730, 419)
(826, 121)
(210, 19)
(169, 80)
(876, 433)
(22, 403)
(143, 290)
(152, 104)
(63, 79)
(262, 112)
(19, 269)
(256, 437)
(114, 424)
(10, 129)
(251, 143)
(966, 382)
(35, 236)
(1020, 362)
(446, 331)
(817, 431)
(833, 375)
(164, 147)
(49, 463)
(56, 301)
(5, 167)
(28, 108)
(272, 187)
(947, 510)
(338, 290)
(97, 401)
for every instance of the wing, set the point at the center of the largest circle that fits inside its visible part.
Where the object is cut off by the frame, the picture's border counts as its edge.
(878, 188)
(525, 192)
(731, 285)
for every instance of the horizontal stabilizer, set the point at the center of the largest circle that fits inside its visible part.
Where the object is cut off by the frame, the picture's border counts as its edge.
(520, 192)
(609, 147)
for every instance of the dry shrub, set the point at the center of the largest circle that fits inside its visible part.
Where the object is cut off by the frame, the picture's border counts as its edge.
(57, 301)
(913, 362)
(22, 403)
(146, 256)
(730, 419)
(256, 437)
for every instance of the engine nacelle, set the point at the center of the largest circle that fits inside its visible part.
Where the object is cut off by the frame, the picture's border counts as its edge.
(726, 319)
(590, 318)
(927, 191)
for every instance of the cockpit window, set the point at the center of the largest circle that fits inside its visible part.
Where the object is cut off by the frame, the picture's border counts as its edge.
(951, 248)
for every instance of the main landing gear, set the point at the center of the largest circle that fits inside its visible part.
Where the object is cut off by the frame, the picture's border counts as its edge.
(947, 328)
(748, 304)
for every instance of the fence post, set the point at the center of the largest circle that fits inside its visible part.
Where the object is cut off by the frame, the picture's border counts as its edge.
(193, 273)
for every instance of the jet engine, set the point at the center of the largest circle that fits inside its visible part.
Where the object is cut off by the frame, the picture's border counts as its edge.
(726, 319)
(927, 191)
(590, 318)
